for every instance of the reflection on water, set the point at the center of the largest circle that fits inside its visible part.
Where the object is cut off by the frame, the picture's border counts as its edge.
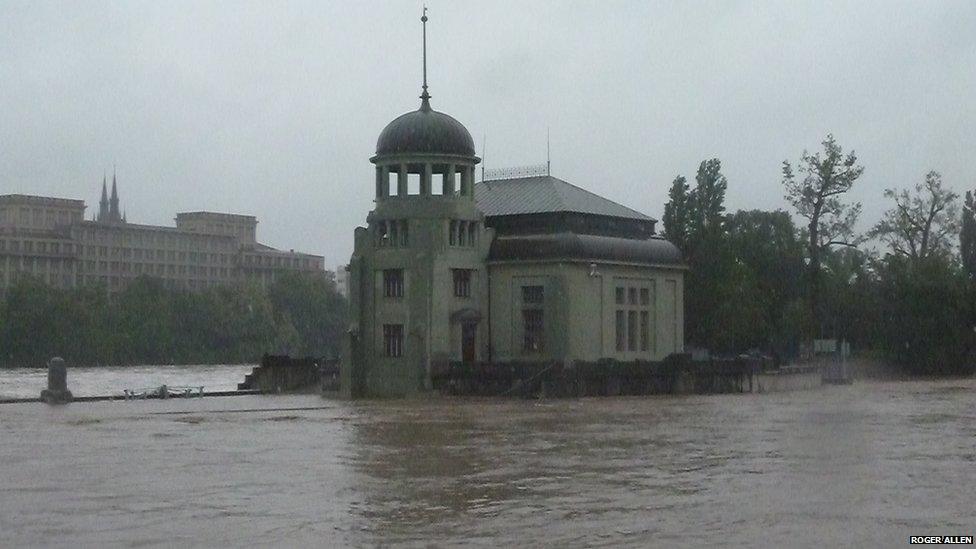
(865, 464)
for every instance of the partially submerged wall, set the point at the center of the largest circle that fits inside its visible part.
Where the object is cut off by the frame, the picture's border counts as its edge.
(279, 374)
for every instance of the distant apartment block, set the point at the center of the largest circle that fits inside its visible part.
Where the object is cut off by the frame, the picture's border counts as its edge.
(49, 238)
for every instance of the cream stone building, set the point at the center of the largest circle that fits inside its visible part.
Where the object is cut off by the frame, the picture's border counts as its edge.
(49, 238)
(520, 269)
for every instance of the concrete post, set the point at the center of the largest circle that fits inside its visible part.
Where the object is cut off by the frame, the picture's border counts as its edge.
(449, 179)
(57, 383)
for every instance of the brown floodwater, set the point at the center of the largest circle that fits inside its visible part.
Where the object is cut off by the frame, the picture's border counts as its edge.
(868, 464)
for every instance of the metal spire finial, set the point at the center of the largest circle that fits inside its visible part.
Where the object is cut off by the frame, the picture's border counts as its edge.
(425, 104)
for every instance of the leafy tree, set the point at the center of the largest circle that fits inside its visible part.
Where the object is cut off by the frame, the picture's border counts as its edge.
(148, 323)
(677, 212)
(967, 235)
(768, 246)
(923, 223)
(315, 309)
(693, 219)
(708, 198)
(814, 189)
(927, 312)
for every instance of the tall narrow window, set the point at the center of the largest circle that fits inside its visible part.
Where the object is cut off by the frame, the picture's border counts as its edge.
(462, 232)
(393, 283)
(462, 282)
(621, 327)
(393, 184)
(393, 340)
(644, 331)
(452, 232)
(437, 183)
(471, 233)
(533, 321)
(404, 233)
(453, 183)
(413, 184)
(632, 331)
(632, 324)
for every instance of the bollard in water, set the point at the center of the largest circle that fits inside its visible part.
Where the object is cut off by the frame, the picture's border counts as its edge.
(57, 383)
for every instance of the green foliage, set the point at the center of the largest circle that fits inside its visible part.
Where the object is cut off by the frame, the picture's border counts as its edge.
(677, 212)
(149, 324)
(310, 303)
(708, 199)
(928, 318)
(746, 289)
(967, 236)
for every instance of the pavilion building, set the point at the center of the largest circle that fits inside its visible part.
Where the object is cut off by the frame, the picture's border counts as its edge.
(518, 269)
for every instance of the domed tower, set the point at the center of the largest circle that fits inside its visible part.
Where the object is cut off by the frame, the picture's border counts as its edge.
(417, 276)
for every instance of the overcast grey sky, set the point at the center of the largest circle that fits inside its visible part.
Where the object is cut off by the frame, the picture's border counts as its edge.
(273, 108)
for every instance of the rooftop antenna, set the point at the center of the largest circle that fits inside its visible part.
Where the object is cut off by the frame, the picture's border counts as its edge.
(484, 145)
(548, 162)
(425, 104)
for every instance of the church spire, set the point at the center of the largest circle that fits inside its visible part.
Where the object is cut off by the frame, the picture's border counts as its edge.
(114, 214)
(425, 97)
(103, 203)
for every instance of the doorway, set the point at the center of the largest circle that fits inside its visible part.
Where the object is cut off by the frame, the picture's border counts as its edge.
(469, 339)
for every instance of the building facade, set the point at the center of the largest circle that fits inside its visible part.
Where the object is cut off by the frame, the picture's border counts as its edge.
(49, 239)
(522, 269)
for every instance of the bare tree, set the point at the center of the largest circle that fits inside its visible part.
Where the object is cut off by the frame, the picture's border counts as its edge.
(922, 223)
(815, 189)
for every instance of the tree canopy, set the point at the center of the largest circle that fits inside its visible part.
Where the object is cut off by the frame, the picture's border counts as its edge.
(146, 323)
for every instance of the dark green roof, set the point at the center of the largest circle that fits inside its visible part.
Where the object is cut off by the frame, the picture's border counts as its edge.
(585, 247)
(545, 194)
(425, 131)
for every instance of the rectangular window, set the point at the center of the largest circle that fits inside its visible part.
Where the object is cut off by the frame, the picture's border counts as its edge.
(471, 233)
(621, 332)
(393, 184)
(619, 296)
(393, 283)
(452, 233)
(461, 232)
(533, 326)
(532, 294)
(462, 282)
(437, 183)
(645, 296)
(413, 184)
(533, 329)
(644, 331)
(632, 331)
(632, 296)
(404, 234)
(393, 340)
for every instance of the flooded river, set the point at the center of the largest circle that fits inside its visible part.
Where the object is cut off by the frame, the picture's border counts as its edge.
(868, 464)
